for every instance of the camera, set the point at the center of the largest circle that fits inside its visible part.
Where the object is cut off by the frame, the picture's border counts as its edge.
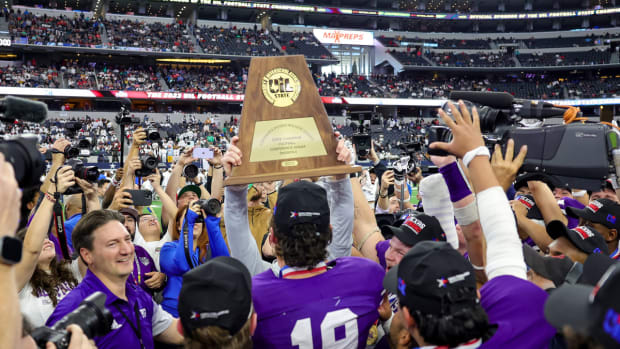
(123, 118)
(578, 155)
(190, 171)
(91, 315)
(152, 134)
(211, 206)
(149, 164)
(363, 145)
(23, 154)
(87, 173)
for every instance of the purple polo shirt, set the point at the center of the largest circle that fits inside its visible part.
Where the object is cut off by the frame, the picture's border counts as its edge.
(516, 306)
(143, 263)
(122, 335)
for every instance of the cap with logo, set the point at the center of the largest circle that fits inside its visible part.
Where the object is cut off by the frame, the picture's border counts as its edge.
(416, 228)
(586, 239)
(602, 211)
(217, 293)
(589, 310)
(189, 187)
(433, 278)
(532, 210)
(301, 202)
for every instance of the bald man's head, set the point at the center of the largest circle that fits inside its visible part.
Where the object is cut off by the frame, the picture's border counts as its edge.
(74, 205)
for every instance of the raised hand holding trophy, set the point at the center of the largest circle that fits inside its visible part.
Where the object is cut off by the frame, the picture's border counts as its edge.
(284, 132)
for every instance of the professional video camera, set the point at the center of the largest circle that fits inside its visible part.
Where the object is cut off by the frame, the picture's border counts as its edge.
(149, 164)
(92, 316)
(23, 152)
(578, 155)
(87, 173)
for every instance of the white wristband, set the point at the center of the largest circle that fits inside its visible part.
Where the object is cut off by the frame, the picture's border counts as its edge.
(579, 193)
(470, 155)
(468, 214)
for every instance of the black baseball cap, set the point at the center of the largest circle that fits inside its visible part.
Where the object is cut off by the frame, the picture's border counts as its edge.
(416, 228)
(586, 239)
(594, 267)
(301, 202)
(433, 278)
(521, 180)
(217, 293)
(589, 310)
(602, 211)
(554, 268)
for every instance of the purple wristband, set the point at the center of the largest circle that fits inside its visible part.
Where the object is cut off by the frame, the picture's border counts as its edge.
(454, 180)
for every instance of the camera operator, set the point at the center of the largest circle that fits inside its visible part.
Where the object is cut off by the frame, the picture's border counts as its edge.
(389, 201)
(196, 239)
(105, 246)
(44, 280)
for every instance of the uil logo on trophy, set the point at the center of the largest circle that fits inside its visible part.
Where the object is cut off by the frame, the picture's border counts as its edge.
(284, 126)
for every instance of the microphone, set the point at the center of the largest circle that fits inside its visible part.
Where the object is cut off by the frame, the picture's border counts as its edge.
(498, 100)
(15, 108)
(502, 100)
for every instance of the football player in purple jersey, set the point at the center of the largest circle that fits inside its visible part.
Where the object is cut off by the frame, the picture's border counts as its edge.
(306, 298)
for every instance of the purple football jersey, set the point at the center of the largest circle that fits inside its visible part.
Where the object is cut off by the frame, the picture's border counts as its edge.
(334, 309)
(516, 306)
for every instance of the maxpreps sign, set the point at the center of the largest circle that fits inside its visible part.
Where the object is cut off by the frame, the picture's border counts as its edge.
(344, 37)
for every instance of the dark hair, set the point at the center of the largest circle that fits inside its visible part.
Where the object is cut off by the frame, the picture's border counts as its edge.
(60, 273)
(218, 338)
(454, 329)
(82, 236)
(303, 245)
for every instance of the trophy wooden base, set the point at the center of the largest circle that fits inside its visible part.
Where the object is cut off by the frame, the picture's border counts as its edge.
(302, 173)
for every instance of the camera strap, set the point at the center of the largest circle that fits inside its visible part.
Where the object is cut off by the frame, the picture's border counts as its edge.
(59, 222)
(137, 330)
(188, 255)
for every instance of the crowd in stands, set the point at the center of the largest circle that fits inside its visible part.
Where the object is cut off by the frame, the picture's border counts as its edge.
(301, 43)
(235, 41)
(151, 36)
(591, 57)
(204, 80)
(480, 44)
(29, 75)
(78, 30)
(231, 81)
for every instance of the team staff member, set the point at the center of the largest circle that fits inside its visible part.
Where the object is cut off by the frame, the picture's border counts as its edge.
(105, 246)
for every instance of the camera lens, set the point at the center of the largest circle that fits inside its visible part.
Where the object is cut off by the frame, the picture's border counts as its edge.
(23, 154)
(71, 152)
(153, 135)
(92, 316)
(190, 171)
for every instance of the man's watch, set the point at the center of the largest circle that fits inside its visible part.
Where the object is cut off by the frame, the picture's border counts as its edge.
(10, 250)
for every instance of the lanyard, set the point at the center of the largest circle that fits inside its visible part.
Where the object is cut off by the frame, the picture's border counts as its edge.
(615, 254)
(287, 271)
(137, 280)
(137, 330)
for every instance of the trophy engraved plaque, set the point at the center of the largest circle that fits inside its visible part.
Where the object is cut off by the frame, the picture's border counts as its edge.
(284, 131)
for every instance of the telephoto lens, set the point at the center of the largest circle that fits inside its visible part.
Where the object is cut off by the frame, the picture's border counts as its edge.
(23, 154)
(71, 152)
(190, 171)
(211, 207)
(152, 134)
(92, 316)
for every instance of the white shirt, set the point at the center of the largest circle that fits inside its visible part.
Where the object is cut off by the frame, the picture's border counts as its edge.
(38, 308)
(152, 247)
